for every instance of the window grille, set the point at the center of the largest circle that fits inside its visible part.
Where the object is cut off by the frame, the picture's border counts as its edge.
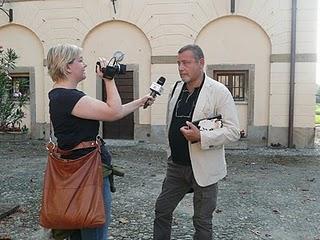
(235, 81)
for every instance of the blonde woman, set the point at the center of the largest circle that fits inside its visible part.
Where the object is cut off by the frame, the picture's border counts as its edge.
(75, 116)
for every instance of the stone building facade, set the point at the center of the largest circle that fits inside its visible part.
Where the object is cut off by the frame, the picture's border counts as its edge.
(247, 46)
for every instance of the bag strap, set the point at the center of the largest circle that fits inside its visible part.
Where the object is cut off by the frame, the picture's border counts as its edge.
(50, 133)
(52, 147)
(82, 145)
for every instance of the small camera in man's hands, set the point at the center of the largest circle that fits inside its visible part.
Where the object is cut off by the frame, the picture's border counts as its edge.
(113, 67)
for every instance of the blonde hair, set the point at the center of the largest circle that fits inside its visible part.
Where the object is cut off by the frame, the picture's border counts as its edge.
(58, 59)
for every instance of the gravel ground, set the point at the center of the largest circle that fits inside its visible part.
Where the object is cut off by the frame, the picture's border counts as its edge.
(268, 193)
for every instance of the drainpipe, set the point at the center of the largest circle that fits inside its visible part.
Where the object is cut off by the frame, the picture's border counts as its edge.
(292, 71)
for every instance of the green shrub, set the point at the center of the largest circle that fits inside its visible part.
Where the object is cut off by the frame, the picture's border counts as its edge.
(11, 113)
(317, 111)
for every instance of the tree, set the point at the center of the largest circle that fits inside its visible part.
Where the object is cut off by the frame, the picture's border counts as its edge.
(11, 101)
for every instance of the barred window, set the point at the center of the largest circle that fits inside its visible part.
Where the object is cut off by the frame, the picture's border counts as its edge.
(235, 81)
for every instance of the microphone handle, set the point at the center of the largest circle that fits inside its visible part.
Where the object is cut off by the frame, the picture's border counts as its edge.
(152, 94)
(146, 104)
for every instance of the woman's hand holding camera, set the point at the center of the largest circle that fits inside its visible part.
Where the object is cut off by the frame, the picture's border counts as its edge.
(104, 71)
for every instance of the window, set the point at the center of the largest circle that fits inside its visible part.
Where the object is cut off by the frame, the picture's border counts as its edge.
(20, 85)
(235, 81)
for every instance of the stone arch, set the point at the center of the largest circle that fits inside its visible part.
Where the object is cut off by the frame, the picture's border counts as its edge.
(238, 43)
(30, 51)
(102, 41)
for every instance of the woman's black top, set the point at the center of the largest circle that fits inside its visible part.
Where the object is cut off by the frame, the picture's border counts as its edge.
(68, 129)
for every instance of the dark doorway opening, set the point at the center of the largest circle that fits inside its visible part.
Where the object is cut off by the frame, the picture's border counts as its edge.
(123, 128)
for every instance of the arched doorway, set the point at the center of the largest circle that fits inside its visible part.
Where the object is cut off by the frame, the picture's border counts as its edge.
(237, 52)
(29, 66)
(103, 41)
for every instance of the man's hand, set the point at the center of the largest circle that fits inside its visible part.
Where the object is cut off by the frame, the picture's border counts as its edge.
(191, 132)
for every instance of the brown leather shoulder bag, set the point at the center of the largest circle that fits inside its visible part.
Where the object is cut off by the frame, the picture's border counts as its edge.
(72, 189)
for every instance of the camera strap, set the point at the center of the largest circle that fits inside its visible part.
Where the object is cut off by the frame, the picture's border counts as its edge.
(174, 88)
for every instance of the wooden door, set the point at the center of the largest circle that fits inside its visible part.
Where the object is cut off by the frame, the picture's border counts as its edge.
(123, 128)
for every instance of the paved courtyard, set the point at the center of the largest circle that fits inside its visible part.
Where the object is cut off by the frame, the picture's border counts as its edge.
(268, 193)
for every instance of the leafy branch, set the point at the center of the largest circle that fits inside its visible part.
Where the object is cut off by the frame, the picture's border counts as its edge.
(11, 107)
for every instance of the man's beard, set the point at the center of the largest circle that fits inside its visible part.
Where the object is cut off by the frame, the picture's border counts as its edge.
(185, 80)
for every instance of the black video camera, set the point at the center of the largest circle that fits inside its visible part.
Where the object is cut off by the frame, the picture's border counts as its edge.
(114, 67)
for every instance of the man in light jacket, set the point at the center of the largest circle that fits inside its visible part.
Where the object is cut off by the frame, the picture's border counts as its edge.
(197, 158)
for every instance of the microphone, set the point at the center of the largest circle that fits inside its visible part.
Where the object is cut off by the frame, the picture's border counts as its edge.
(156, 89)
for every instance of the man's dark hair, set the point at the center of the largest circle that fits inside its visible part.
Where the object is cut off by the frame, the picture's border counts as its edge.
(195, 49)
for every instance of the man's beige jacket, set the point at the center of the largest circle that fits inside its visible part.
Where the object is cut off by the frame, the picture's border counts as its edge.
(208, 156)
